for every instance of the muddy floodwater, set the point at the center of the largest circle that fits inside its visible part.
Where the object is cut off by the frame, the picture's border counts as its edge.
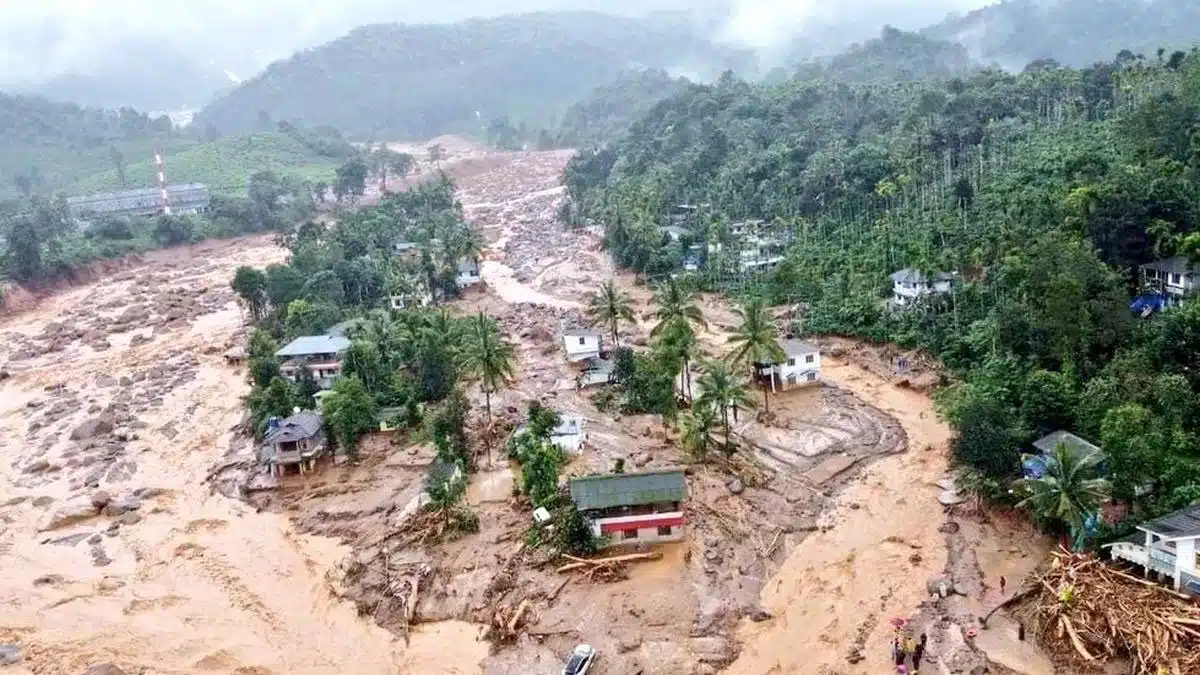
(115, 547)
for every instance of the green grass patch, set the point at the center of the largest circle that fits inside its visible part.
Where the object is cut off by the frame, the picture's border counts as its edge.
(225, 165)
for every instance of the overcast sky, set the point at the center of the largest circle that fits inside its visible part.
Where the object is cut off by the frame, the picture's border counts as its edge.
(45, 37)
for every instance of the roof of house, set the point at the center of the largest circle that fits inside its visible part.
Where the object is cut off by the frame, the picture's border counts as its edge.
(581, 332)
(628, 489)
(314, 344)
(405, 246)
(302, 425)
(339, 329)
(601, 365)
(1074, 443)
(1182, 523)
(1176, 264)
(798, 347)
(674, 231)
(912, 275)
(568, 425)
(467, 265)
(186, 194)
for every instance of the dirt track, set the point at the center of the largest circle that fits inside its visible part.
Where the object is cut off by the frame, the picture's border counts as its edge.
(201, 582)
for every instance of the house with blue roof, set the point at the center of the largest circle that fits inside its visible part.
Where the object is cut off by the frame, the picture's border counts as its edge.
(321, 355)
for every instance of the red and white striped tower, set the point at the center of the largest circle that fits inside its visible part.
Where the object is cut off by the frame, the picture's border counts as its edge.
(162, 184)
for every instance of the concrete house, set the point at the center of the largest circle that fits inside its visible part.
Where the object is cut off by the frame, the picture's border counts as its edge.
(409, 250)
(909, 285)
(1175, 277)
(1034, 466)
(569, 435)
(319, 354)
(801, 366)
(1168, 547)
(295, 441)
(633, 508)
(597, 371)
(410, 300)
(466, 273)
(581, 343)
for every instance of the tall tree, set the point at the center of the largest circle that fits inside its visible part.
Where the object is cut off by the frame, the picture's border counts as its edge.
(608, 307)
(486, 355)
(118, 161)
(436, 154)
(755, 340)
(723, 390)
(251, 286)
(676, 305)
(350, 411)
(695, 431)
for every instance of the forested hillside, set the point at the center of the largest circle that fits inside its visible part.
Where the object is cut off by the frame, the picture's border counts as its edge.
(45, 145)
(608, 111)
(1040, 193)
(406, 81)
(1072, 32)
(894, 56)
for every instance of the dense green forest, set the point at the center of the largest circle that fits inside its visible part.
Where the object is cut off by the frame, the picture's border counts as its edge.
(1073, 32)
(1040, 192)
(607, 111)
(417, 81)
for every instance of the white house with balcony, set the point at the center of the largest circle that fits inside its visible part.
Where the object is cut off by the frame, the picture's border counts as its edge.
(582, 343)
(800, 366)
(633, 508)
(1175, 277)
(1168, 547)
(909, 285)
(321, 355)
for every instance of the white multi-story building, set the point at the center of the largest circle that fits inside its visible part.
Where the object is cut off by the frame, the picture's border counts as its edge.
(800, 366)
(1168, 547)
(909, 286)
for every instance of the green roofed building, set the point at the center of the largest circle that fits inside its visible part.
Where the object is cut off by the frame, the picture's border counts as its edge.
(632, 508)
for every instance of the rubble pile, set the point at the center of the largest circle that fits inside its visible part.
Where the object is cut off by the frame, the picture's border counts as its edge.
(1083, 607)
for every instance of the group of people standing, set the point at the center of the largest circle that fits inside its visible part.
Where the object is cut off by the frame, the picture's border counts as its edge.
(906, 650)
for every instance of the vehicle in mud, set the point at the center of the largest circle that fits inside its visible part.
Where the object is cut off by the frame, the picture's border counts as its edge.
(582, 658)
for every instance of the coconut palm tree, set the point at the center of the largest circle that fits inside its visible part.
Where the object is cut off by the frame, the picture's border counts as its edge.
(676, 305)
(679, 341)
(608, 307)
(487, 356)
(754, 341)
(1069, 491)
(723, 390)
(695, 431)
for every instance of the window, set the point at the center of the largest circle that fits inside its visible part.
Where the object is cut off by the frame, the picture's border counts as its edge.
(791, 362)
(630, 534)
(1176, 280)
(808, 358)
(582, 340)
(791, 378)
(811, 377)
(664, 531)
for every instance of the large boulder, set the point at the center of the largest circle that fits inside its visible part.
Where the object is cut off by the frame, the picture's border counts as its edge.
(9, 654)
(122, 505)
(104, 669)
(73, 511)
(93, 427)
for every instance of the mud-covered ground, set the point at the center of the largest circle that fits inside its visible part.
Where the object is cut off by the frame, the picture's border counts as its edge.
(121, 413)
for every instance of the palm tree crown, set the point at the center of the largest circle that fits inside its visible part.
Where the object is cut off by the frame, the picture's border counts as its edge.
(608, 307)
(676, 305)
(723, 390)
(486, 355)
(1069, 491)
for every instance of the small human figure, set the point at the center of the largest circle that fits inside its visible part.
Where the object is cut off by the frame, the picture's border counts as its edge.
(919, 653)
(1002, 582)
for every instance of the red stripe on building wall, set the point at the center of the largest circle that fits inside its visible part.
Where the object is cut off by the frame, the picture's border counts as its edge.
(623, 526)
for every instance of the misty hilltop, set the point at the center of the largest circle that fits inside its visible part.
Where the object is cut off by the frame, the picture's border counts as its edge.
(398, 80)
(1072, 32)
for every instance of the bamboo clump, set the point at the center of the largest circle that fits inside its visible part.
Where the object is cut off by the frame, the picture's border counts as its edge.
(1086, 608)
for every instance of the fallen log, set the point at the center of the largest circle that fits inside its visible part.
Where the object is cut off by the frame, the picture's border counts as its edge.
(516, 617)
(581, 563)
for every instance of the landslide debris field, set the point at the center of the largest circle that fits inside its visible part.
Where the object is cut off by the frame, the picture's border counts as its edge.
(127, 534)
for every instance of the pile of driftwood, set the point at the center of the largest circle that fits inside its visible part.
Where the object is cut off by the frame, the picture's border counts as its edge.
(1084, 606)
(605, 570)
(506, 620)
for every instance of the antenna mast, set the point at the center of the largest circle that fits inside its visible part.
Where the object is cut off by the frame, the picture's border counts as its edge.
(162, 184)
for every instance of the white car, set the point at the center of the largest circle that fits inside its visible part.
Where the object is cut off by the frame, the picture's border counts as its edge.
(582, 658)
